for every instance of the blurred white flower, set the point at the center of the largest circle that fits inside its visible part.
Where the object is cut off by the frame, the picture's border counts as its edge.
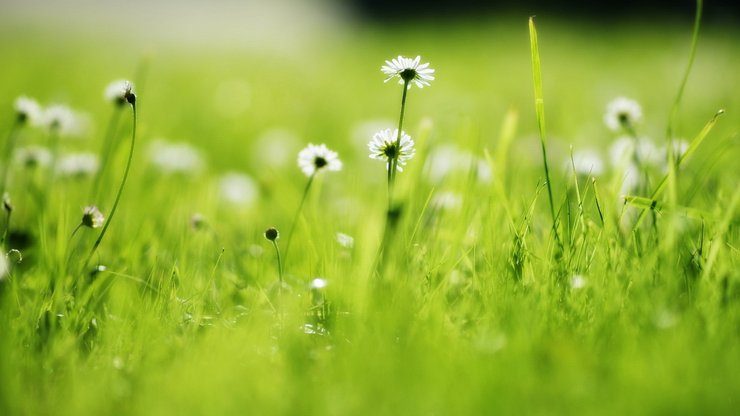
(383, 147)
(175, 157)
(33, 156)
(447, 159)
(631, 179)
(92, 217)
(63, 120)
(578, 281)
(587, 162)
(408, 70)
(77, 164)
(622, 112)
(28, 110)
(446, 200)
(315, 158)
(238, 189)
(318, 283)
(625, 149)
(345, 240)
(680, 147)
(119, 92)
(279, 144)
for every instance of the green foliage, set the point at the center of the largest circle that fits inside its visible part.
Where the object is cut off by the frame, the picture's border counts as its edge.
(475, 311)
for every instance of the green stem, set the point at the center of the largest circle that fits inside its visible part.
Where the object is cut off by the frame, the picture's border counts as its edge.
(298, 213)
(120, 189)
(684, 80)
(394, 162)
(279, 262)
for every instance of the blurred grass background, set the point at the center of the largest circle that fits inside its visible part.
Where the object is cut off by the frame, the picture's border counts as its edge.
(230, 79)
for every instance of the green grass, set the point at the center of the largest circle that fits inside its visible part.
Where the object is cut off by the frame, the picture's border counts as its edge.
(473, 313)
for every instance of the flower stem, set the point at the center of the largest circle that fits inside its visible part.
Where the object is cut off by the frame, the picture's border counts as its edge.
(394, 162)
(279, 262)
(298, 213)
(120, 189)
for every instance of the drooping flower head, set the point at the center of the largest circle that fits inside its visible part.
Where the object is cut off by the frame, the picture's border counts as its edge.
(120, 92)
(383, 147)
(92, 217)
(408, 71)
(28, 110)
(622, 113)
(315, 158)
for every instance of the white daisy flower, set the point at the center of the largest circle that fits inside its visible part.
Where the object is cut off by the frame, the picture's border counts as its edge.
(315, 158)
(77, 164)
(383, 147)
(33, 156)
(175, 158)
(238, 189)
(587, 162)
(622, 112)
(408, 71)
(63, 120)
(120, 92)
(318, 283)
(92, 217)
(28, 110)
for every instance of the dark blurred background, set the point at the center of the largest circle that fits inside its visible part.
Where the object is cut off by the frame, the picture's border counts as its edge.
(714, 10)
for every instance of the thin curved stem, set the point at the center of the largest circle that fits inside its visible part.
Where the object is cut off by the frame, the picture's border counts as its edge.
(298, 213)
(120, 189)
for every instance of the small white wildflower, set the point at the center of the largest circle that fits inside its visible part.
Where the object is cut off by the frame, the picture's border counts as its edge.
(175, 158)
(92, 217)
(63, 120)
(383, 147)
(238, 189)
(33, 156)
(315, 158)
(119, 92)
(587, 162)
(408, 71)
(345, 240)
(28, 110)
(622, 113)
(318, 283)
(578, 281)
(77, 164)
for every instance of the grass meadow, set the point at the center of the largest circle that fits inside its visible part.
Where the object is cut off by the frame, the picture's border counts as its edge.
(467, 301)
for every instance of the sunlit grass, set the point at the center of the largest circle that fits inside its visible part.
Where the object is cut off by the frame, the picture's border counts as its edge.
(472, 315)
